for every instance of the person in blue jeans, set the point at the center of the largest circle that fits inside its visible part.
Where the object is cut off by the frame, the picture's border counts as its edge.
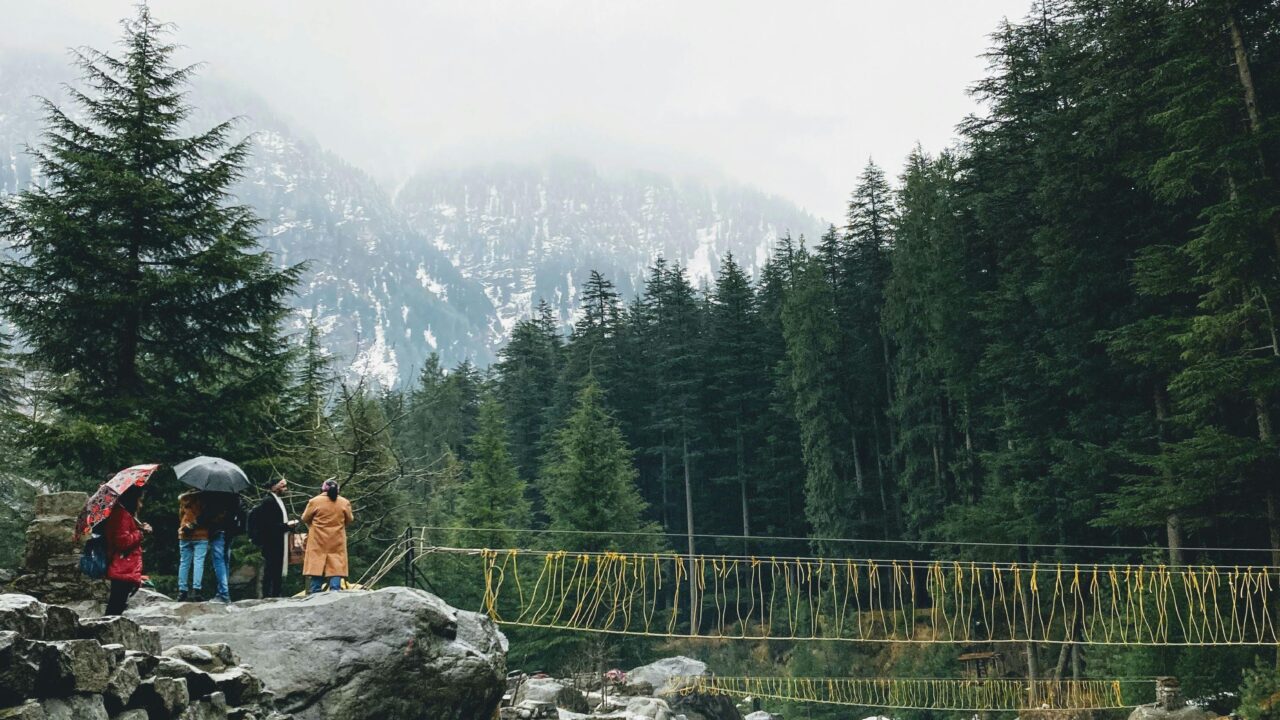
(221, 511)
(193, 545)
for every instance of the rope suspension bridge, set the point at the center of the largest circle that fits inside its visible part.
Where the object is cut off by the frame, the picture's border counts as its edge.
(868, 600)
(865, 600)
(966, 695)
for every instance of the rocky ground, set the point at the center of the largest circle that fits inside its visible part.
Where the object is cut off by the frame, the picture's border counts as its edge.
(649, 692)
(56, 665)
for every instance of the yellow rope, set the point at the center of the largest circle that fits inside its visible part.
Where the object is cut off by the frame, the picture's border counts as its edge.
(877, 601)
(921, 694)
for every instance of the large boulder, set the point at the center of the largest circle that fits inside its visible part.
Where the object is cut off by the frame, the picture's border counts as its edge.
(392, 654)
(1156, 712)
(536, 691)
(664, 676)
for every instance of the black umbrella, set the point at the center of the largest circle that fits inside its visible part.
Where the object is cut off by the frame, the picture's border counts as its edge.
(212, 474)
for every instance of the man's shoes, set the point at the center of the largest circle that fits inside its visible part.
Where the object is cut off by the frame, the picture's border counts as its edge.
(184, 596)
(220, 599)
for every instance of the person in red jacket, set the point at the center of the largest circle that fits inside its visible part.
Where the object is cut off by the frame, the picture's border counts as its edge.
(124, 549)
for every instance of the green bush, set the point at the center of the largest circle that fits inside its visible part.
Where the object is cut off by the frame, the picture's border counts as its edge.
(1260, 693)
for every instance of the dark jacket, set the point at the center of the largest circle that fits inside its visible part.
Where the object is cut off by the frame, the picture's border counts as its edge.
(222, 512)
(124, 547)
(267, 523)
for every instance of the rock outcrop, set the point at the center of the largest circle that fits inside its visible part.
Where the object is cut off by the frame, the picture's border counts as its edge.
(56, 666)
(658, 691)
(51, 564)
(391, 654)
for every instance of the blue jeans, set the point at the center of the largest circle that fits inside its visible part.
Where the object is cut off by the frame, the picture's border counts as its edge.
(221, 563)
(189, 550)
(317, 583)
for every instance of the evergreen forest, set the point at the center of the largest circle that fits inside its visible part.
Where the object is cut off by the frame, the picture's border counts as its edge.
(1053, 341)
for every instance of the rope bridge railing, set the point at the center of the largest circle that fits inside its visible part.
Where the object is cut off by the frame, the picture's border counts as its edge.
(969, 695)
(868, 600)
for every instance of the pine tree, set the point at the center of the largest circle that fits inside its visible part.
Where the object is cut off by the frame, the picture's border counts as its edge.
(589, 480)
(493, 493)
(779, 472)
(813, 347)
(134, 280)
(737, 378)
(528, 368)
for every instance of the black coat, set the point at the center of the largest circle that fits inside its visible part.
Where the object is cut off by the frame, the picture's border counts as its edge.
(267, 523)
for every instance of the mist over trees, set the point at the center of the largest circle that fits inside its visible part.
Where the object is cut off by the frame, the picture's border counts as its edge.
(1058, 333)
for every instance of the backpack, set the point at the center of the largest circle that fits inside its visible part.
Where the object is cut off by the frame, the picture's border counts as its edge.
(93, 557)
(254, 523)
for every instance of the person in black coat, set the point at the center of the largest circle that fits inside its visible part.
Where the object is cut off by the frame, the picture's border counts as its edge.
(269, 528)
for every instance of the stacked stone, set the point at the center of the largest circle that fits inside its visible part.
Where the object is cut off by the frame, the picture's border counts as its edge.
(51, 565)
(56, 666)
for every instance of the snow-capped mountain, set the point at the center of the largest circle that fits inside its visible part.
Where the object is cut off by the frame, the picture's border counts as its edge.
(460, 255)
(535, 231)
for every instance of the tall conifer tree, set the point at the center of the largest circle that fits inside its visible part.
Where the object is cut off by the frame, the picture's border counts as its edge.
(133, 278)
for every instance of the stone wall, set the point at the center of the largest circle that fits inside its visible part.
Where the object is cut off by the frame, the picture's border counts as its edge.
(51, 564)
(55, 665)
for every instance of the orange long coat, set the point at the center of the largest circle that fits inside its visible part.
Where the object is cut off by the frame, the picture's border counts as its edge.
(326, 522)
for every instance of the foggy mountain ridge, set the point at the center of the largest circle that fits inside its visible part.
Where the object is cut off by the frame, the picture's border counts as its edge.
(459, 255)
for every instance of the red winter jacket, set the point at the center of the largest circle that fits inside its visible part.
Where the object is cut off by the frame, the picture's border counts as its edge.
(124, 547)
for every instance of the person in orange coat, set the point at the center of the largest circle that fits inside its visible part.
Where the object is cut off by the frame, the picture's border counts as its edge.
(124, 549)
(326, 517)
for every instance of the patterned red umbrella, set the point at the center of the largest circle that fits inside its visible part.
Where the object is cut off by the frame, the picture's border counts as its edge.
(103, 501)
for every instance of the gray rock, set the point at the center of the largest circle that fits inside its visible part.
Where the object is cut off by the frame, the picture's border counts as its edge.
(643, 708)
(547, 690)
(393, 653)
(19, 668)
(146, 663)
(48, 537)
(213, 707)
(239, 686)
(75, 707)
(131, 715)
(121, 631)
(23, 614)
(61, 504)
(704, 707)
(193, 654)
(61, 623)
(199, 682)
(223, 656)
(120, 688)
(161, 697)
(72, 666)
(664, 676)
(29, 710)
(1156, 712)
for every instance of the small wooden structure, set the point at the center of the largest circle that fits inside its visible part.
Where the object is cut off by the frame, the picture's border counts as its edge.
(981, 664)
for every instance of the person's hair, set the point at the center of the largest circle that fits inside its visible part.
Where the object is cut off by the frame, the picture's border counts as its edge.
(130, 498)
(330, 488)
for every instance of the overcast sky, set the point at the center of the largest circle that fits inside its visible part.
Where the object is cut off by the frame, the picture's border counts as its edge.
(792, 97)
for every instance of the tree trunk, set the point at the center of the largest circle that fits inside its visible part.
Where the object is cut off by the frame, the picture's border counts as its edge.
(1064, 654)
(1273, 512)
(1245, 73)
(889, 398)
(666, 502)
(884, 494)
(742, 484)
(694, 610)
(1173, 528)
(858, 481)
